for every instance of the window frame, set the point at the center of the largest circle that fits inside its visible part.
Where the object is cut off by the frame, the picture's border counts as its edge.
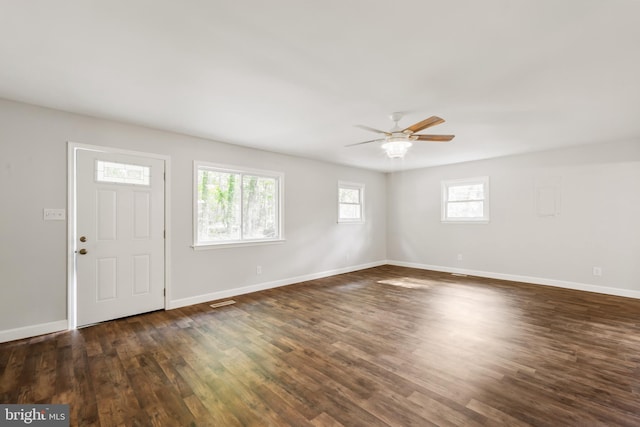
(351, 186)
(242, 171)
(444, 194)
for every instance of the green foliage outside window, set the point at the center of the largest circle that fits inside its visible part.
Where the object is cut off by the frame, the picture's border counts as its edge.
(235, 206)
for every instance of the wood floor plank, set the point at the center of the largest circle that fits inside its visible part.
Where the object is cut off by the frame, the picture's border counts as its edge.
(497, 417)
(206, 395)
(325, 420)
(386, 346)
(444, 415)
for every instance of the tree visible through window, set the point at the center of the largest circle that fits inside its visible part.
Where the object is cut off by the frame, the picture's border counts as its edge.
(236, 206)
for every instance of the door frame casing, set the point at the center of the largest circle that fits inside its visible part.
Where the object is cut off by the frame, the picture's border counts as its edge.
(72, 149)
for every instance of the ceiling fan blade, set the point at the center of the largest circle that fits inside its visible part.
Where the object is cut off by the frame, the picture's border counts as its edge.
(426, 123)
(436, 138)
(365, 142)
(373, 129)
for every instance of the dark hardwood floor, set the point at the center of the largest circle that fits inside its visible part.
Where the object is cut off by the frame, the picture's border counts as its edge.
(384, 346)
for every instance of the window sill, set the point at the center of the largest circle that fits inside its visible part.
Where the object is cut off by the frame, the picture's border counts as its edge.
(346, 221)
(465, 221)
(206, 247)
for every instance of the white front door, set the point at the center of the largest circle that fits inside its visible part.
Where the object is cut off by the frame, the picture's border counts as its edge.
(120, 235)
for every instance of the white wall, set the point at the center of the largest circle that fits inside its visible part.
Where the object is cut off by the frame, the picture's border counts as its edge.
(33, 176)
(597, 224)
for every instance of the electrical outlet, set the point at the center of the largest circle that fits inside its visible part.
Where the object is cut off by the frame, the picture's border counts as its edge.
(597, 271)
(54, 214)
(258, 269)
(459, 257)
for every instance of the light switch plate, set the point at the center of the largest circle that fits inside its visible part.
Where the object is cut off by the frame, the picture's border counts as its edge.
(54, 215)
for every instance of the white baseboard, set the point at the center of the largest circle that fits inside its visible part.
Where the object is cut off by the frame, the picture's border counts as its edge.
(33, 330)
(62, 325)
(267, 285)
(525, 279)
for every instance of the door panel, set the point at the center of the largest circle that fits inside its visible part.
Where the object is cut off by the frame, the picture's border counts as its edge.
(141, 274)
(120, 212)
(106, 282)
(106, 215)
(142, 214)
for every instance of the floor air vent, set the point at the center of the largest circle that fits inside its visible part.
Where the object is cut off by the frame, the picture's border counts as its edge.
(222, 303)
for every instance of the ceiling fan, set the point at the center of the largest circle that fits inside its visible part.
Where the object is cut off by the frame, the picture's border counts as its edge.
(397, 141)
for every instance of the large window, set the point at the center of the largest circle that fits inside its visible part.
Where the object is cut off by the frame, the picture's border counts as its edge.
(236, 206)
(350, 202)
(465, 200)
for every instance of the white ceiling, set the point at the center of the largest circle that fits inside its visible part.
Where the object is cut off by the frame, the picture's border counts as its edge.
(295, 76)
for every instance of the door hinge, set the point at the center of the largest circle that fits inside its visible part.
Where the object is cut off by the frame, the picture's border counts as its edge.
(164, 292)
(164, 234)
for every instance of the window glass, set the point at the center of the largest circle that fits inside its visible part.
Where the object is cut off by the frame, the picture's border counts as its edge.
(259, 207)
(122, 173)
(466, 192)
(218, 206)
(349, 195)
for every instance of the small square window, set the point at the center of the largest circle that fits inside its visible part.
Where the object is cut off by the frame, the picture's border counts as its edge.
(465, 200)
(350, 202)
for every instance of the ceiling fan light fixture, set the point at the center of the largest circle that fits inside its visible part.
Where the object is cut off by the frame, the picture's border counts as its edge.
(396, 148)
(397, 141)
